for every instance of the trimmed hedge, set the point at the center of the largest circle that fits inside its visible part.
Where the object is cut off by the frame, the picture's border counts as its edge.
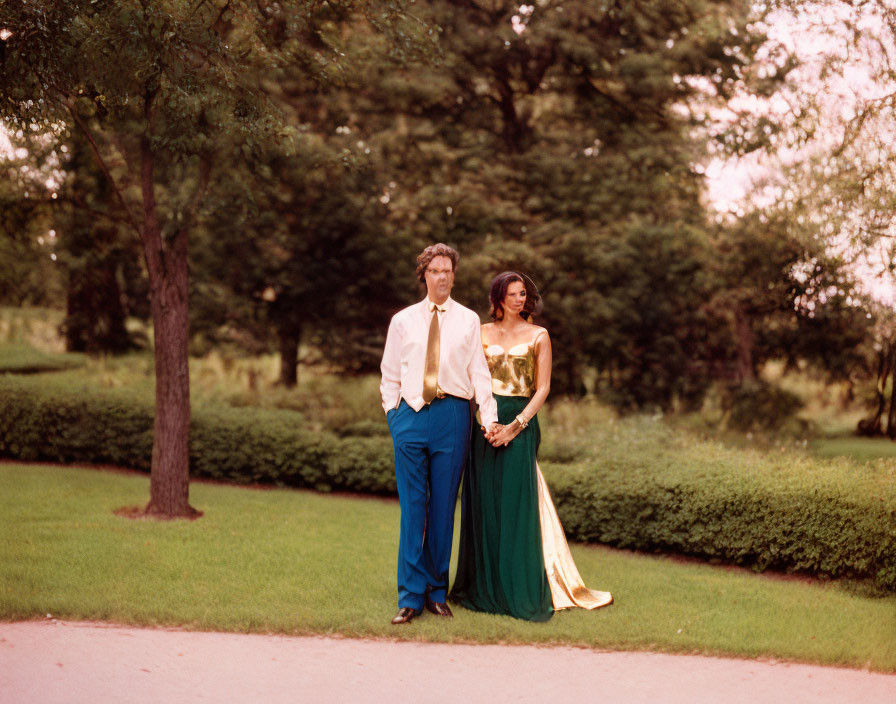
(643, 486)
(652, 489)
(50, 418)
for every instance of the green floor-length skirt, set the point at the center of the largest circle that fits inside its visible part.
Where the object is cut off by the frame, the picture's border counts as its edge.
(500, 567)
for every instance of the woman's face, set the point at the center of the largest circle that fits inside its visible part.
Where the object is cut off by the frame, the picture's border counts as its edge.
(515, 298)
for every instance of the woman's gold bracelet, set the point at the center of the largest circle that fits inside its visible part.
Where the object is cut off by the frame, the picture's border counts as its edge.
(522, 421)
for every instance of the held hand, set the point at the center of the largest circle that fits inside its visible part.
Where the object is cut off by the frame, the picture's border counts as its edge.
(505, 434)
(492, 430)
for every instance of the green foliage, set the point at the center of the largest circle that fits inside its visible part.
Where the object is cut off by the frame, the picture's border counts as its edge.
(561, 138)
(633, 484)
(556, 138)
(650, 348)
(101, 258)
(784, 295)
(759, 405)
(167, 94)
(649, 488)
(28, 275)
(252, 445)
(58, 419)
(33, 326)
(315, 267)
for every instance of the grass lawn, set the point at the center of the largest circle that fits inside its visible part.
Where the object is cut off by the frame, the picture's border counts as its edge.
(22, 358)
(861, 449)
(297, 562)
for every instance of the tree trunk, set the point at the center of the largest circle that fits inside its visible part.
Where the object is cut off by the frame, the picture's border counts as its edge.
(891, 415)
(872, 426)
(743, 337)
(112, 334)
(169, 484)
(95, 314)
(289, 354)
(74, 327)
(95, 317)
(849, 395)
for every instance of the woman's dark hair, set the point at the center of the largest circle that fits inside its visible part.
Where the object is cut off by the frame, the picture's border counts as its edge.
(498, 293)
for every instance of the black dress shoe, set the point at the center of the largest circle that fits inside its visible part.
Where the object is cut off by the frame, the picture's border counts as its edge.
(439, 608)
(405, 615)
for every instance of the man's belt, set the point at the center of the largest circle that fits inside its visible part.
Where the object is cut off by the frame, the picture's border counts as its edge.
(442, 394)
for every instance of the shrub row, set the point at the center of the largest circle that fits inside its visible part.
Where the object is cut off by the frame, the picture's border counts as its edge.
(51, 418)
(649, 488)
(639, 485)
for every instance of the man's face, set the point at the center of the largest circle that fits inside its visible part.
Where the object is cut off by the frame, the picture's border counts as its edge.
(439, 279)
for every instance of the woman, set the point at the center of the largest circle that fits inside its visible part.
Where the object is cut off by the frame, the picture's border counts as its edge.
(513, 556)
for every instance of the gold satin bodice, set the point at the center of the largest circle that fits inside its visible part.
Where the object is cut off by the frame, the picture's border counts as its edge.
(513, 371)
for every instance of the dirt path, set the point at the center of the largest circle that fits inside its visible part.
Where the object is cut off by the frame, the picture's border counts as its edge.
(71, 662)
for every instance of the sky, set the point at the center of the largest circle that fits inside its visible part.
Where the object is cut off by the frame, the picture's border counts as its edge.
(812, 39)
(733, 182)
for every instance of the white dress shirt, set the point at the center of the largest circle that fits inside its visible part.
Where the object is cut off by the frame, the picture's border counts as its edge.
(463, 370)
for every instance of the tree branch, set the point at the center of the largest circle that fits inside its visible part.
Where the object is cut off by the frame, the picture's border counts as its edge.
(102, 164)
(80, 204)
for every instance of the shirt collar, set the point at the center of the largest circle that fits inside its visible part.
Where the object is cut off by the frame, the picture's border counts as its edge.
(429, 305)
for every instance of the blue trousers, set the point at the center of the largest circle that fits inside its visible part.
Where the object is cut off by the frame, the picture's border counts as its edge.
(430, 451)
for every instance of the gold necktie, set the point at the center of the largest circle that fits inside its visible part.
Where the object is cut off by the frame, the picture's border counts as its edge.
(431, 368)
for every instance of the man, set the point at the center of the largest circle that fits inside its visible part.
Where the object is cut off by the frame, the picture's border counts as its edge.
(432, 366)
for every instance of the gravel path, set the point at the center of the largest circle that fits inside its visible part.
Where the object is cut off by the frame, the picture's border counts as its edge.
(72, 662)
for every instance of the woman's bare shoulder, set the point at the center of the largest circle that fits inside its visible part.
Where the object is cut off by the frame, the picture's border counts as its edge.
(538, 331)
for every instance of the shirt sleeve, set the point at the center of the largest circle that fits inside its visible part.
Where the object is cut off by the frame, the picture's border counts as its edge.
(390, 385)
(482, 382)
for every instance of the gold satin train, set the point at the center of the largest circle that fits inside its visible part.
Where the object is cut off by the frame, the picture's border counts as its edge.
(567, 588)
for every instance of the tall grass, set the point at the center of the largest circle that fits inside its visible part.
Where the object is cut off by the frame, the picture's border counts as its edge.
(36, 327)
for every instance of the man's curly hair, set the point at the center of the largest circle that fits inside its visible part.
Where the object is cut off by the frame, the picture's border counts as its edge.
(430, 253)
